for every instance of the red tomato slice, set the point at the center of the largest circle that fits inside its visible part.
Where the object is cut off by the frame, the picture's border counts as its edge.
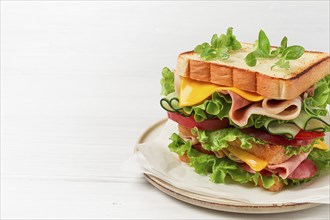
(276, 139)
(189, 122)
(309, 134)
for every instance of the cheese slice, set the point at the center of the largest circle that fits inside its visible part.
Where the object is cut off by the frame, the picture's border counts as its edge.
(193, 92)
(258, 164)
(321, 145)
(254, 162)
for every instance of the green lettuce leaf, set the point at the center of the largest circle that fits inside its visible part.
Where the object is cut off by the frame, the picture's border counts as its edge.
(291, 150)
(217, 140)
(321, 159)
(167, 81)
(316, 104)
(219, 106)
(297, 182)
(178, 145)
(220, 170)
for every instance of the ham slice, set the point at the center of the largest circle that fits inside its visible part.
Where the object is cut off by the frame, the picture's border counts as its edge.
(286, 168)
(306, 169)
(242, 109)
(238, 102)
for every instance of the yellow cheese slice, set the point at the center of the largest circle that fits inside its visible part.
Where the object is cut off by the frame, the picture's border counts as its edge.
(321, 145)
(254, 162)
(193, 92)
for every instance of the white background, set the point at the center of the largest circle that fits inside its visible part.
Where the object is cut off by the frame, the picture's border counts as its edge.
(80, 83)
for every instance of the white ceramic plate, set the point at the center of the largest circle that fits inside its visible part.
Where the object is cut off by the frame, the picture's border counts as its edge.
(209, 202)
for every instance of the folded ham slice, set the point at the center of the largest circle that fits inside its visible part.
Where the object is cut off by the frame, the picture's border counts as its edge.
(306, 169)
(291, 169)
(285, 169)
(242, 109)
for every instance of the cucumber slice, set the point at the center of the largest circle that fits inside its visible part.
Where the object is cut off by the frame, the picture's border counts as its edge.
(170, 103)
(311, 123)
(289, 130)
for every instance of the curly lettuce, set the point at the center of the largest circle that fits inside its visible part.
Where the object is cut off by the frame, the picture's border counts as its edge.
(178, 145)
(218, 105)
(221, 170)
(316, 104)
(292, 150)
(167, 81)
(217, 140)
(321, 159)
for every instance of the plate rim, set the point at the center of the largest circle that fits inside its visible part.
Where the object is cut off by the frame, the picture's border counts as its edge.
(246, 208)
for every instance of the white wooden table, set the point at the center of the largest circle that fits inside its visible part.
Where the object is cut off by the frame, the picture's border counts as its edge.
(80, 83)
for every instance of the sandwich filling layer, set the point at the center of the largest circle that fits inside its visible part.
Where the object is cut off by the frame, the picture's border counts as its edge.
(229, 133)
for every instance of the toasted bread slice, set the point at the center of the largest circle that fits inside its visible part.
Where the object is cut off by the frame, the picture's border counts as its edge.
(277, 83)
(273, 154)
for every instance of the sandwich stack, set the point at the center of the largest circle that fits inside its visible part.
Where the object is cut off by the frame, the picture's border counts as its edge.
(250, 113)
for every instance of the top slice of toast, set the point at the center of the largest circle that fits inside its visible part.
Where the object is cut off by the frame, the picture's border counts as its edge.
(277, 83)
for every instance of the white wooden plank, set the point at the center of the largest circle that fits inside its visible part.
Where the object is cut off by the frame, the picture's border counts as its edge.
(45, 198)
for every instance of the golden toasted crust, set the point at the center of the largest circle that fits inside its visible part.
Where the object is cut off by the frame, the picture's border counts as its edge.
(199, 70)
(273, 154)
(185, 131)
(245, 80)
(277, 84)
(221, 74)
(278, 185)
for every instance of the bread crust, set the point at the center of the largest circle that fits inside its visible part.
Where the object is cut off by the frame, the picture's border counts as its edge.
(222, 74)
(190, 65)
(273, 154)
(244, 80)
(199, 70)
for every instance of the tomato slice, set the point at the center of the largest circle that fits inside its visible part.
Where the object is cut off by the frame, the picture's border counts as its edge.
(276, 139)
(189, 122)
(309, 134)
